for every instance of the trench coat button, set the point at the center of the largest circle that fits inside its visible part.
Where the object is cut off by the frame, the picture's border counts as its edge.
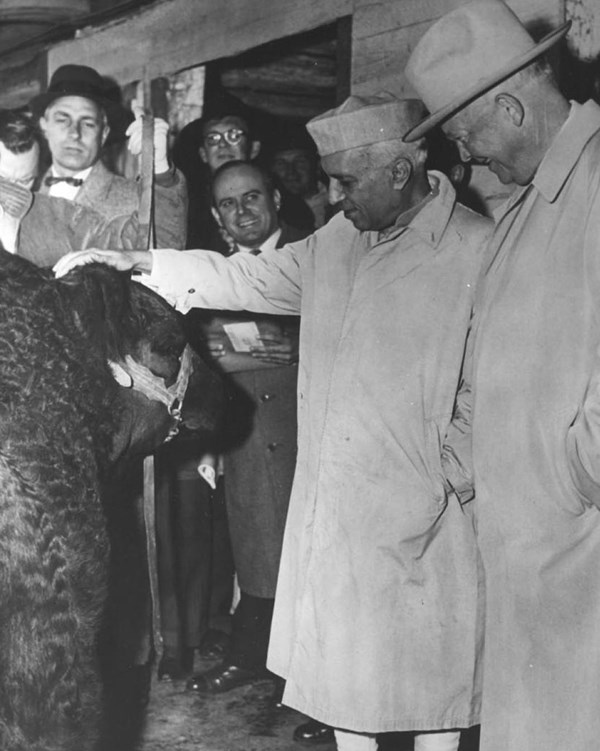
(267, 397)
(272, 446)
(191, 291)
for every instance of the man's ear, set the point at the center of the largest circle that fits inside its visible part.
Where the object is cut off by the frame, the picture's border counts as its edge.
(203, 155)
(511, 107)
(402, 171)
(105, 132)
(277, 199)
(254, 150)
(217, 216)
(43, 124)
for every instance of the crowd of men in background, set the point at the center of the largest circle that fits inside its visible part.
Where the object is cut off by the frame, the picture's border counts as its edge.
(410, 467)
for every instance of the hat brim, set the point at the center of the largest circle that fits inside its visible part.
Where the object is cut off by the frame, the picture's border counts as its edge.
(118, 116)
(435, 118)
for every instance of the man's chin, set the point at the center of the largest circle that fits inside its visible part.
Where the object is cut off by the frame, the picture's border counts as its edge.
(356, 219)
(74, 165)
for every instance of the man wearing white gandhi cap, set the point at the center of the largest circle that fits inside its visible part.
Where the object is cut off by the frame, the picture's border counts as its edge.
(377, 620)
(534, 370)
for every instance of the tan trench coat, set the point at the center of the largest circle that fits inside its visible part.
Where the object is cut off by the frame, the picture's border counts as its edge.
(536, 444)
(376, 613)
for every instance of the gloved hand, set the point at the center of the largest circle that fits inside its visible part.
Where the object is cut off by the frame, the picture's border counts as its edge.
(161, 132)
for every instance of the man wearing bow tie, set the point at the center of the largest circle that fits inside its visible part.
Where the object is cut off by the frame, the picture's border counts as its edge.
(77, 117)
(41, 227)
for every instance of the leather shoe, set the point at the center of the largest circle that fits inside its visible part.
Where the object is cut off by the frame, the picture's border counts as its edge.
(223, 678)
(314, 732)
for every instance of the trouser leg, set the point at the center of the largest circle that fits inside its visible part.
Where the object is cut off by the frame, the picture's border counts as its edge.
(347, 741)
(442, 741)
(166, 566)
(251, 629)
(222, 566)
(194, 546)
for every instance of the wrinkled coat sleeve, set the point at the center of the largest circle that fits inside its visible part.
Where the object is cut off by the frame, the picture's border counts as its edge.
(583, 444)
(583, 435)
(457, 447)
(266, 283)
(170, 210)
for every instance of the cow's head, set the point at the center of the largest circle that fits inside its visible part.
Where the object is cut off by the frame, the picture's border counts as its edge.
(126, 329)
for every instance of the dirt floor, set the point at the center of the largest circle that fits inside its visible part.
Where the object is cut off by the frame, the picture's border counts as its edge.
(244, 719)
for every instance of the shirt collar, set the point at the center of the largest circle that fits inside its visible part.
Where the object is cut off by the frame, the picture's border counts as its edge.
(64, 190)
(564, 152)
(431, 221)
(269, 244)
(79, 176)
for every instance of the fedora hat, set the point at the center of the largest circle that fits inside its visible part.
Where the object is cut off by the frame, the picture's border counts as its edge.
(80, 80)
(467, 52)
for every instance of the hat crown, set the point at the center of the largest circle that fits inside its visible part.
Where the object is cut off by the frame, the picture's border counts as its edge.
(464, 48)
(362, 121)
(71, 76)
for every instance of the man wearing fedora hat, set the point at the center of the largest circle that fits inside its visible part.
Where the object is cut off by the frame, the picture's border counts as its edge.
(39, 227)
(77, 116)
(534, 371)
(376, 623)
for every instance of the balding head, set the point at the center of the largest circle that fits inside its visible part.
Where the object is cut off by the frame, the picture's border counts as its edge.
(245, 203)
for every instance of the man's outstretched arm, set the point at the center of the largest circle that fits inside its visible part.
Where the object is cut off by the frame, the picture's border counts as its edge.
(268, 283)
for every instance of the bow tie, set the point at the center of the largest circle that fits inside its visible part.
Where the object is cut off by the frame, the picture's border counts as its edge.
(76, 182)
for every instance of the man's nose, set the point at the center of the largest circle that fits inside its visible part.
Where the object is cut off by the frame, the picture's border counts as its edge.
(335, 192)
(75, 130)
(465, 154)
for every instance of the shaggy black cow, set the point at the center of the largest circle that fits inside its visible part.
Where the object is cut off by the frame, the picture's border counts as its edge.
(63, 421)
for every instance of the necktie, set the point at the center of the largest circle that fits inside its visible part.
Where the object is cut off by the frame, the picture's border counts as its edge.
(75, 181)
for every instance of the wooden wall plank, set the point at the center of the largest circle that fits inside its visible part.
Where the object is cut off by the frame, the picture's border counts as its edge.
(379, 16)
(378, 61)
(387, 32)
(178, 34)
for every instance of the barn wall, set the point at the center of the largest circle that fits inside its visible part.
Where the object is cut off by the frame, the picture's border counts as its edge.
(177, 34)
(386, 31)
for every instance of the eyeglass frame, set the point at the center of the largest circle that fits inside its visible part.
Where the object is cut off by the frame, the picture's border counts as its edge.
(232, 136)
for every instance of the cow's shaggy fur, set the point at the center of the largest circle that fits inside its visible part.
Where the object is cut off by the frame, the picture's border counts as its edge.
(58, 416)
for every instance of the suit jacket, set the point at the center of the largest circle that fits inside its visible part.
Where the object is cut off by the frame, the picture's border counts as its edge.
(113, 196)
(260, 455)
(55, 226)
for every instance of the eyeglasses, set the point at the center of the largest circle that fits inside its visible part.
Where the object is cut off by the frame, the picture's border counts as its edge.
(231, 136)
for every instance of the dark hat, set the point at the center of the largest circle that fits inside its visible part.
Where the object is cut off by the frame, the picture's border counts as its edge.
(80, 80)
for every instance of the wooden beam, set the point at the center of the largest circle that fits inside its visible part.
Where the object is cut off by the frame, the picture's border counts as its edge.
(176, 34)
(379, 16)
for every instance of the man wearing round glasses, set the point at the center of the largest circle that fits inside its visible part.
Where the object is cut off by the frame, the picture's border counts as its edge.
(225, 140)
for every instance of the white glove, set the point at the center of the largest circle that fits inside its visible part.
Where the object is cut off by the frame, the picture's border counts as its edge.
(161, 133)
